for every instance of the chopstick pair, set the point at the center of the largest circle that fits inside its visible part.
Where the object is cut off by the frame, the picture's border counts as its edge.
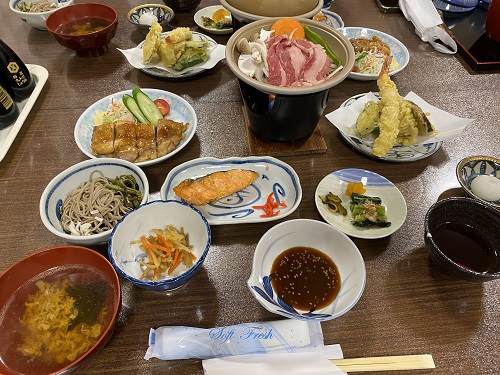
(398, 362)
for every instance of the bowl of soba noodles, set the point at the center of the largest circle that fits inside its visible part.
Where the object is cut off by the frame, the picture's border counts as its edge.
(35, 13)
(83, 203)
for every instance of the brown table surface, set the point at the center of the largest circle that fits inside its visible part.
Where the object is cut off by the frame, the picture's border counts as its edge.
(407, 307)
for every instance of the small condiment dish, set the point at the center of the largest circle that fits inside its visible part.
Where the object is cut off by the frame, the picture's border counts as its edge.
(310, 234)
(36, 19)
(461, 235)
(142, 16)
(124, 253)
(468, 169)
(61, 185)
(86, 28)
(83, 269)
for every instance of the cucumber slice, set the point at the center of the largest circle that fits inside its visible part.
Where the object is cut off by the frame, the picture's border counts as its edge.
(147, 106)
(132, 106)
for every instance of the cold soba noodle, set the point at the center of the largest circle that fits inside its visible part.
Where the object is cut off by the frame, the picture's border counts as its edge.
(98, 204)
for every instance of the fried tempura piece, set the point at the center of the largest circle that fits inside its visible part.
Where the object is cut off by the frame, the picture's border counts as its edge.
(408, 130)
(179, 34)
(423, 124)
(170, 52)
(214, 186)
(368, 119)
(390, 114)
(151, 43)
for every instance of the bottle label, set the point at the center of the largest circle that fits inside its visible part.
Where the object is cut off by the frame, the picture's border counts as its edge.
(17, 74)
(5, 99)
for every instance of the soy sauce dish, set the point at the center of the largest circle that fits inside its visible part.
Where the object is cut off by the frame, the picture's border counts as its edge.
(307, 270)
(461, 235)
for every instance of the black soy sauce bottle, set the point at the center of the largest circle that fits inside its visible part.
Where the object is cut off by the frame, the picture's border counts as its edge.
(9, 111)
(15, 74)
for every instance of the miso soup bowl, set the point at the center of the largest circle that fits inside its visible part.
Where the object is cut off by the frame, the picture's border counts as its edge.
(482, 218)
(17, 283)
(89, 44)
(320, 236)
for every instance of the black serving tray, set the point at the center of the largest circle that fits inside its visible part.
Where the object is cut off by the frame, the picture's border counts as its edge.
(477, 49)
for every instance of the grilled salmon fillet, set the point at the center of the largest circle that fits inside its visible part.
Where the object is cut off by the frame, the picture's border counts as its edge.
(214, 186)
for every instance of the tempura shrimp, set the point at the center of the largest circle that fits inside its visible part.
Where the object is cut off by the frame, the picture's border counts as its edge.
(390, 114)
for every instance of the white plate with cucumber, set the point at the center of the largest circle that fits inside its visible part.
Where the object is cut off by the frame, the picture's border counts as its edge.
(376, 187)
(180, 111)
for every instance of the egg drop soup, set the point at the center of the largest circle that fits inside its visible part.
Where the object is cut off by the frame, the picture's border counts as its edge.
(305, 278)
(54, 319)
(83, 26)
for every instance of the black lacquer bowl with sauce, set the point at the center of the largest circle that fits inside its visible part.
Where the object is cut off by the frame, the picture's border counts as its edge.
(461, 235)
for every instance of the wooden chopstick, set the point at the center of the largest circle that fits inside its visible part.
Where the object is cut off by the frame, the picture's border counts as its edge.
(397, 362)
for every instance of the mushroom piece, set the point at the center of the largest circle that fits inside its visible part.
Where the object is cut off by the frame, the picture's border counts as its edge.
(243, 46)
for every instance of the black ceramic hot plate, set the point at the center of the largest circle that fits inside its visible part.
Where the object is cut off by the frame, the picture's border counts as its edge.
(477, 49)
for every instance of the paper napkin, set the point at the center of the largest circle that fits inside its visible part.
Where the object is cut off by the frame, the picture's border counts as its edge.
(134, 57)
(304, 363)
(448, 126)
(425, 18)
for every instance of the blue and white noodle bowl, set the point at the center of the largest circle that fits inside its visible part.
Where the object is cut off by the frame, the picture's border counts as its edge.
(157, 215)
(36, 20)
(314, 234)
(61, 185)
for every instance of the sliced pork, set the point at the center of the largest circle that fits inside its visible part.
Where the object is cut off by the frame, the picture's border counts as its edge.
(295, 62)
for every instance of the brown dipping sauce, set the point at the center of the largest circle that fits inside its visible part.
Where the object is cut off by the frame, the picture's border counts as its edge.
(465, 246)
(305, 278)
(83, 26)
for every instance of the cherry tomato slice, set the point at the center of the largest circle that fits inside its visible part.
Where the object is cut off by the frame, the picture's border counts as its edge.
(163, 106)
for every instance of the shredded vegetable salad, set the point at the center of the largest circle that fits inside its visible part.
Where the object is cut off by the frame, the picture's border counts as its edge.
(115, 111)
(367, 62)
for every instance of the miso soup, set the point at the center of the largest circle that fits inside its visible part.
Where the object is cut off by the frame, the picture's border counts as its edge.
(83, 26)
(81, 302)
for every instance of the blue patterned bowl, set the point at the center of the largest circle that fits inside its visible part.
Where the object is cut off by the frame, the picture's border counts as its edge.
(71, 178)
(471, 167)
(157, 214)
(163, 14)
(323, 237)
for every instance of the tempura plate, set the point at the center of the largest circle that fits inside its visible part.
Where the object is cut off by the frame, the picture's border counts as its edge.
(274, 176)
(180, 110)
(398, 153)
(376, 186)
(399, 52)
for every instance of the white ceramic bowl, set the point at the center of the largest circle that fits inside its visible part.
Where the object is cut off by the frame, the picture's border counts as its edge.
(473, 166)
(248, 11)
(157, 214)
(318, 235)
(71, 178)
(36, 20)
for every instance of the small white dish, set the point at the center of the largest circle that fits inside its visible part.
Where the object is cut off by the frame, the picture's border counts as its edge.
(208, 12)
(376, 186)
(332, 19)
(8, 134)
(163, 73)
(320, 236)
(274, 176)
(180, 110)
(398, 153)
(399, 52)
